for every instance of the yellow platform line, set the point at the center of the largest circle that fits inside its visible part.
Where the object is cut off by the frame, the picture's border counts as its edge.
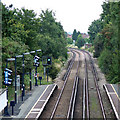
(115, 92)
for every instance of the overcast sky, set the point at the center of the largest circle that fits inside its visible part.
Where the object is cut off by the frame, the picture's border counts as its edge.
(73, 14)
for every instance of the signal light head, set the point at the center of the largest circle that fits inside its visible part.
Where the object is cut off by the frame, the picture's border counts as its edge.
(49, 60)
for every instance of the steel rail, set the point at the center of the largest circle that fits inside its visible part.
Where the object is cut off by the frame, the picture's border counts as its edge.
(71, 100)
(85, 93)
(83, 112)
(70, 114)
(59, 97)
(96, 78)
(66, 74)
(96, 84)
(86, 110)
(74, 99)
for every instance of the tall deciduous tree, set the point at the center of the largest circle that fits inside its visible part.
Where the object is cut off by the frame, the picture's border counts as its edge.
(94, 28)
(51, 35)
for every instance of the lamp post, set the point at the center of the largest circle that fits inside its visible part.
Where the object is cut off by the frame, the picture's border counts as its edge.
(23, 78)
(23, 65)
(15, 82)
(30, 73)
(23, 86)
(16, 76)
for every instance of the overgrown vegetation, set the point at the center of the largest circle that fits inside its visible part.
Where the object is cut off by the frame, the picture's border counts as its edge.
(104, 35)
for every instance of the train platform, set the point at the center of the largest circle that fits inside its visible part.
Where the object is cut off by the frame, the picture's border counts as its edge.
(33, 106)
(113, 93)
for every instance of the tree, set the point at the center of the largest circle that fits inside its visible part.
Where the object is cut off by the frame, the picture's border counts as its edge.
(94, 28)
(31, 26)
(69, 41)
(51, 35)
(98, 44)
(22, 32)
(80, 41)
(105, 39)
(75, 35)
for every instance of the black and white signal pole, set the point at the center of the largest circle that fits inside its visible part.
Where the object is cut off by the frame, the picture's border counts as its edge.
(23, 86)
(36, 69)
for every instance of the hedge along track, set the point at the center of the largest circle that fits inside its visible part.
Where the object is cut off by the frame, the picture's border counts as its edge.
(62, 108)
(86, 96)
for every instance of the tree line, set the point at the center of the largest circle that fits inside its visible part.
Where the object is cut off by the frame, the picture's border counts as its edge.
(78, 38)
(24, 31)
(104, 35)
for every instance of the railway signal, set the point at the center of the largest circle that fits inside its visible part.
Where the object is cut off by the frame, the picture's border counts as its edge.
(7, 82)
(36, 61)
(8, 74)
(49, 60)
(46, 61)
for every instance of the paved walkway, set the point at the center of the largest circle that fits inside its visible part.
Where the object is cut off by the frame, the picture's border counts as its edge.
(22, 109)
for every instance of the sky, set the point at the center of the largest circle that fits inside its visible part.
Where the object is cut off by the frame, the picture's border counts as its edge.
(73, 14)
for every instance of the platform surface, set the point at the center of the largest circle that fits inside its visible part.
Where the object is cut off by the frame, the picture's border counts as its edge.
(33, 104)
(39, 105)
(113, 92)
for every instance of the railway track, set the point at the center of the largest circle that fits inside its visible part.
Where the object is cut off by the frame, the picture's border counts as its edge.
(64, 107)
(88, 95)
(86, 110)
(79, 98)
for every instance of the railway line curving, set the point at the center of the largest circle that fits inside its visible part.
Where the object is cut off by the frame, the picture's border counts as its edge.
(78, 97)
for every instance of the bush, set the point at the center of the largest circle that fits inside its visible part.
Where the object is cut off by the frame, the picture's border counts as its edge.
(91, 49)
(53, 71)
(108, 63)
(105, 61)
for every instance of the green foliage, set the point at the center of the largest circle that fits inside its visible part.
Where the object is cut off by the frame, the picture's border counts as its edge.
(106, 40)
(69, 41)
(87, 40)
(23, 31)
(74, 36)
(94, 28)
(80, 41)
(98, 44)
(53, 71)
(51, 35)
(91, 49)
(104, 62)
